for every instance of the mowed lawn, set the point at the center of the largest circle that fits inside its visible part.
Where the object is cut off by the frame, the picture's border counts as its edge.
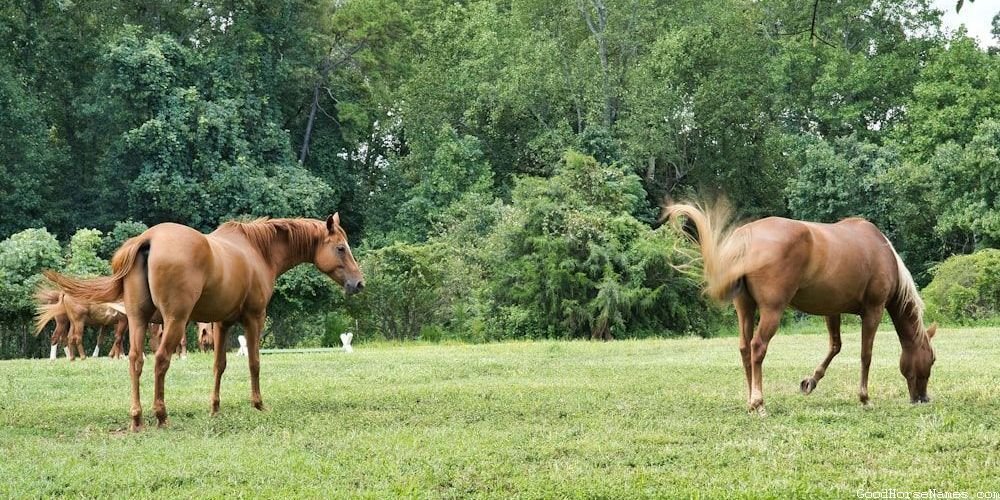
(645, 418)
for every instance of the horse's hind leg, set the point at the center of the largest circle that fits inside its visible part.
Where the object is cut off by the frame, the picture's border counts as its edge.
(173, 330)
(869, 325)
(253, 325)
(116, 347)
(140, 308)
(219, 331)
(100, 338)
(58, 335)
(746, 309)
(770, 317)
(832, 326)
(75, 340)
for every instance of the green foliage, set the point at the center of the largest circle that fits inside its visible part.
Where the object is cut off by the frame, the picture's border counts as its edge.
(838, 180)
(122, 231)
(965, 288)
(29, 156)
(23, 257)
(572, 261)
(404, 291)
(82, 259)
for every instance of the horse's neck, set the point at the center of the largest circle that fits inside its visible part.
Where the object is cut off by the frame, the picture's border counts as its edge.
(906, 321)
(284, 257)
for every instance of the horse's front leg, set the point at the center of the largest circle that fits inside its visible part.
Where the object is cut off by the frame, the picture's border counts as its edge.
(833, 327)
(219, 331)
(869, 325)
(253, 326)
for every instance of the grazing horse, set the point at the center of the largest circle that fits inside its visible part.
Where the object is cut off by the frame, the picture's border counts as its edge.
(227, 276)
(71, 314)
(205, 336)
(821, 269)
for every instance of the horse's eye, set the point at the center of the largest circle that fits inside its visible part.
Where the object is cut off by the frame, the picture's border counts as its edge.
(341, 249)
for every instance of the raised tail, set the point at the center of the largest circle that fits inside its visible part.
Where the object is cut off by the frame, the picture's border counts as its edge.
(104, 288)
(722, 250)
(46, 310)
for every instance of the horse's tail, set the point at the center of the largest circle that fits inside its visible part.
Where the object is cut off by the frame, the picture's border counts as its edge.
(46, 295)
(47, 311)
(722, 251)
(104, 288)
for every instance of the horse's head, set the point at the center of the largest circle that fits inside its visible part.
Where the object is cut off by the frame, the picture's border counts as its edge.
(915, 363)
(334, 257)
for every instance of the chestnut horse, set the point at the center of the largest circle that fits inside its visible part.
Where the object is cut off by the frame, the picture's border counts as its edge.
(821, 269)
(205, 334)
(71, 315)
(227, 276)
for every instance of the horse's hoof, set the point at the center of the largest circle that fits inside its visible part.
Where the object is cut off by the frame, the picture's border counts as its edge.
(258, 405)
(807, 385)
(757, 407)
(136, 425)
(867, 405)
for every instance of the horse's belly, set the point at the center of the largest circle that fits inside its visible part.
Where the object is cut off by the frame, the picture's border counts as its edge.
(215, 306)
(823, 302)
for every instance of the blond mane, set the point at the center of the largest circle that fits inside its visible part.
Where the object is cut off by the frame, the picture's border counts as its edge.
(906, 291)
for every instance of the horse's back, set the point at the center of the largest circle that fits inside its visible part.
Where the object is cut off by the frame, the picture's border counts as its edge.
(821, 268)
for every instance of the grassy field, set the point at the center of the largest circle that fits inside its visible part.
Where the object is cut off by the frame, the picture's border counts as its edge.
(532, 419)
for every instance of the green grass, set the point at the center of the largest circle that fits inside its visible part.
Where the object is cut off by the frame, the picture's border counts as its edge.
(531, 419)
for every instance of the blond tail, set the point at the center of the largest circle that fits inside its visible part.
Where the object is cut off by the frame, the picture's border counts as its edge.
(46, 312)
(104, 288)
(722, 251)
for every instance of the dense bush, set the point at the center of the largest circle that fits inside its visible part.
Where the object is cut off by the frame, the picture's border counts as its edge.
(22, 258)
(966, 288)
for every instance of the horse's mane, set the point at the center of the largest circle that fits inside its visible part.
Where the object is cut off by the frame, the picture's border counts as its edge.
(302, 234)
(906, 292)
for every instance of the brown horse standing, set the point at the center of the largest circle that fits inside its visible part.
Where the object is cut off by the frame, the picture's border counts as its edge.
(822, 269)
(71, 314)
(226, 276)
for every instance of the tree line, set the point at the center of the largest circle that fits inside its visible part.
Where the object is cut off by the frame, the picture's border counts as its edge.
(498, 164)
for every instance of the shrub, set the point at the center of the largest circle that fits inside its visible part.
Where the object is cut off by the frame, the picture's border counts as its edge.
(965, 288)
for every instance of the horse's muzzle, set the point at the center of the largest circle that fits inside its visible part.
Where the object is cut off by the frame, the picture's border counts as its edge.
(355, 287)
(920, 399)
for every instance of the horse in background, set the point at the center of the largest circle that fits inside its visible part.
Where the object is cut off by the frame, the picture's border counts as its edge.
(71, 314)
(48, 298)
(227, 276)
(206, 336)
(821, 269)
(156, 337)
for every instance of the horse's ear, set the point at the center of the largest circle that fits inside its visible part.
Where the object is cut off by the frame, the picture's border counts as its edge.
(931, 330)
(333, 222)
